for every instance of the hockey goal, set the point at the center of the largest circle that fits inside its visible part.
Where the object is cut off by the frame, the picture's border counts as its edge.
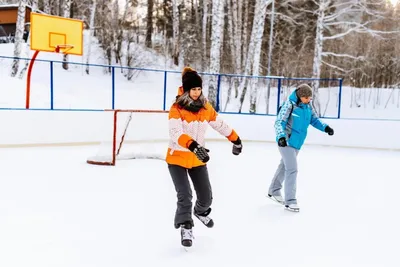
(131, 134)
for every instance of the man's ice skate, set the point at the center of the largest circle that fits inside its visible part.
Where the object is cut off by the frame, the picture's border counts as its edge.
(292, 207)
(278, 199)
(186, 235)
(204, 218)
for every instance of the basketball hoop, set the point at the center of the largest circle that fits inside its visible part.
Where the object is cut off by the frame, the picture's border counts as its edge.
(63, 48)
(49, 33)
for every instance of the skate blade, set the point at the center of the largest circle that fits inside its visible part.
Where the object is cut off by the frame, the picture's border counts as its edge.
(276, 201)
(292, 210)
(187, 249)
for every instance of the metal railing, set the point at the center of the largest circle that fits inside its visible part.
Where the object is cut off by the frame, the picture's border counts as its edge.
(121, 87)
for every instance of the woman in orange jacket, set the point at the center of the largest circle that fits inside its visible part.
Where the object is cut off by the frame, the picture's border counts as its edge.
(189, 117)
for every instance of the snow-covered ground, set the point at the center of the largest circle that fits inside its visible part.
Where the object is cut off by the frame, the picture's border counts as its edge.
(56, 210)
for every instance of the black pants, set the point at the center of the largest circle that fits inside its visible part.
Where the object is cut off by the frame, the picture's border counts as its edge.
(202, 186)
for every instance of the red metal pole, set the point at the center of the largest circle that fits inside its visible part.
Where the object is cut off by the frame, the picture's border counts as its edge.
(114, 148)
(28, 81)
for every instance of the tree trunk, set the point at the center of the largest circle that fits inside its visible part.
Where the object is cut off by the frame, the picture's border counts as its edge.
(204, 34)
(215, 52)
(47, 6)
(18, 37)
(91, 25)
(258, 28)
(67, 14)
(318, 55)
(149, 26)
(175, 27)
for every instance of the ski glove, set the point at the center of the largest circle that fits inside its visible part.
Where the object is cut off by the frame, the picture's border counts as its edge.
(237, 147)
(200, 152)
(329, 130)
(282, 142)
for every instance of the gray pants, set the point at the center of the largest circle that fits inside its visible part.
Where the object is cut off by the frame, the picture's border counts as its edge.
(286, 172)
(202, 186)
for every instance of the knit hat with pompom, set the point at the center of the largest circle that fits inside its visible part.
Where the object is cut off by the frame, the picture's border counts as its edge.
(190, 79)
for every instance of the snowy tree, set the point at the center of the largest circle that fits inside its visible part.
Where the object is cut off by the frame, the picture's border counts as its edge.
(176, 36)
(253, 54)
(258, 29)
(34, 5)
(204, 33)
(149, 23)
(66, 14)
(117, 33)
(19, 36)
(235, 44)
(215, 50)
(47, 6)
(91, 35)
(335, 20)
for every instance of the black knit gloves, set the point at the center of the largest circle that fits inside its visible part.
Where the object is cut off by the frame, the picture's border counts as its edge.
(200, 152)
(329, 130)
(282, 142)
(237, 147)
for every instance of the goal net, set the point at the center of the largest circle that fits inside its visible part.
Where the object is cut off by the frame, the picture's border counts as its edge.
(131, 134)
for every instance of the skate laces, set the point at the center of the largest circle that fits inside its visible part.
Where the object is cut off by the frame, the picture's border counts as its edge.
(204, 219)
(187, 234)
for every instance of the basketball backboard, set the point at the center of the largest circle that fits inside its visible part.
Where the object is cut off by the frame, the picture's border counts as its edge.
(56, 34)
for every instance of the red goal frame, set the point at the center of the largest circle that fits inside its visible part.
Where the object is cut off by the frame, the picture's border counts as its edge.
(115, 149)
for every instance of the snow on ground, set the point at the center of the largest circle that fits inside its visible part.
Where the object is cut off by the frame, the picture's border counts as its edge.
(56, 210)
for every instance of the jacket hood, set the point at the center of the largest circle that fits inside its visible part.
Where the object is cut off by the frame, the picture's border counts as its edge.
(180, 91)
(293, 97)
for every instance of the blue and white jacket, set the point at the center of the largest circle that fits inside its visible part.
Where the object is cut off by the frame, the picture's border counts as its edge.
(294, 127)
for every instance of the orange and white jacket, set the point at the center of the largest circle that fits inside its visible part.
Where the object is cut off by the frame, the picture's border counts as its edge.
(186, 126)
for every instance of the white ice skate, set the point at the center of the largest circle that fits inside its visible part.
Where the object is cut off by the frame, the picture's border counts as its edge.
(292, 207)
(278, 199)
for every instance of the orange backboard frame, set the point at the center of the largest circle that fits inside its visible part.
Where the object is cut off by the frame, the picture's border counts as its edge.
(47, 32)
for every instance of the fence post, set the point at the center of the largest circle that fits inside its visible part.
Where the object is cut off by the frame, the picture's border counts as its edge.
(113, 87)
(165, 91)
(340, 98)
(51, 86)
(218, 93)
(278, 96)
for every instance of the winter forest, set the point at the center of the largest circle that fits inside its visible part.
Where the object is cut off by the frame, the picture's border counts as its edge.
(357, 40)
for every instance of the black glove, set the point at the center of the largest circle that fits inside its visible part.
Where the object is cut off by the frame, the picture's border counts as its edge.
(199, 151)
(329, 130)
(282, 142)
(237, 147)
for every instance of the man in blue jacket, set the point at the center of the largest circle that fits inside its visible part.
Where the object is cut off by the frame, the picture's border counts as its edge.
(291, 125)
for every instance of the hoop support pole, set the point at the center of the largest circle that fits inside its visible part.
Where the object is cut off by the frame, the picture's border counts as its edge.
(28, 81)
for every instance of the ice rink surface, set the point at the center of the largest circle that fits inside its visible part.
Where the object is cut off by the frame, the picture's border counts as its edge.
(56, 210)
